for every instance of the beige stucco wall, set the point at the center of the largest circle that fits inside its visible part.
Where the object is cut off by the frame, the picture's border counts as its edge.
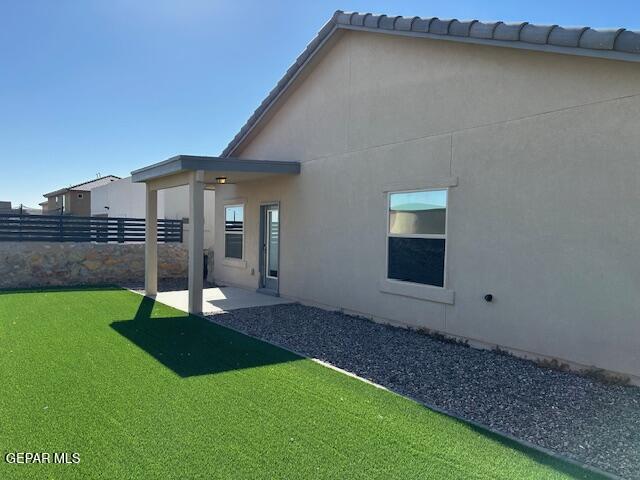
(79, 203)
(73, 205)
(53, 205)
(544, 153)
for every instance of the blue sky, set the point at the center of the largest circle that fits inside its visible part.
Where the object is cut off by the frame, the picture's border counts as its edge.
(109, 86)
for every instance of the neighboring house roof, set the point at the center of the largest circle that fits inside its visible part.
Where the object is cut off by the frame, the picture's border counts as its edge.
(84, 186)
(614, 44)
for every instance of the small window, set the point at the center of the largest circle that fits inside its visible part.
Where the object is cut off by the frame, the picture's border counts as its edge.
(417, 236)
(233, 231)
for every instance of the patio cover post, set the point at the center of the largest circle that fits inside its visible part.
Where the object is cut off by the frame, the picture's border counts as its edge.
(196, 240)
(151, 243)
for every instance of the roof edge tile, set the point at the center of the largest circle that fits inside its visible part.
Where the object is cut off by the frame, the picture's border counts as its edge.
(616, 44)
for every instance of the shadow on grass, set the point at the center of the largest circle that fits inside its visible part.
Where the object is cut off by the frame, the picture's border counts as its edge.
(190, 345)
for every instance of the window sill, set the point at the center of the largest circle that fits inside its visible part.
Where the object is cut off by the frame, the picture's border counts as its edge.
(416, 290)
(234, 263)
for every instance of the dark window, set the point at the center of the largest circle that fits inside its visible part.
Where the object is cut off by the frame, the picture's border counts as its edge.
(233, 231)
(417, 236)
(233, 245)
(418, 260)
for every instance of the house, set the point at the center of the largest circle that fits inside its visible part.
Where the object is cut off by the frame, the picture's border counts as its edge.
(5, 207)
(124, 198)
(73, 200)
(474, 179)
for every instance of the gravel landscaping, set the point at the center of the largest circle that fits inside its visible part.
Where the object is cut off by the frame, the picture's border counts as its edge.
(572, 415)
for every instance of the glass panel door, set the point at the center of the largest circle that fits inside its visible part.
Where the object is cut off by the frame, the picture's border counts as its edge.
(273, 237)
(270, 247)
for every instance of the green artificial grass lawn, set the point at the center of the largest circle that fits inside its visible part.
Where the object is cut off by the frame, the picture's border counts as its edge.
(140, 390)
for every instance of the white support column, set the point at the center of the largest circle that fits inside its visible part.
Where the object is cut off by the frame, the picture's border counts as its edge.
(151, 243)
(196, 240)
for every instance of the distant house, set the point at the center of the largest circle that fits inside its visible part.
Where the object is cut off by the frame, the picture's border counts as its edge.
(124, 198)
(6, 207)
(73, 200)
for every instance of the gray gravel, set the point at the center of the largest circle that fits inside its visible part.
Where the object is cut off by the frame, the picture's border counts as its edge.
(572, 415)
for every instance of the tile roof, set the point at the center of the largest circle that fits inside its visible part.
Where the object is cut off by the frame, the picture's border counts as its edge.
(614, 44)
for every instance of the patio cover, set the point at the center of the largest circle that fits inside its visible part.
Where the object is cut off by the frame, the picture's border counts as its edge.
(234, 169)
(195, 171)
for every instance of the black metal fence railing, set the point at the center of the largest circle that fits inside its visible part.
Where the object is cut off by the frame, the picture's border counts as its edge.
(58, 228)
(233, 226)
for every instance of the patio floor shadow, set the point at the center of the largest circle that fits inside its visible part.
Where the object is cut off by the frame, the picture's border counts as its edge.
(191, 346)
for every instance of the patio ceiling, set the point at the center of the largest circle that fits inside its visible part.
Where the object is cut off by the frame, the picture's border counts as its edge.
(235, 170)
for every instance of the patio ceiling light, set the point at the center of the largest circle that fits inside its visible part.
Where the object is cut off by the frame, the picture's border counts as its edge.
(221, 180)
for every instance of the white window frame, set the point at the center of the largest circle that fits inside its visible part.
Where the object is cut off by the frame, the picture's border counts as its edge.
(234, 205)
(418, 235)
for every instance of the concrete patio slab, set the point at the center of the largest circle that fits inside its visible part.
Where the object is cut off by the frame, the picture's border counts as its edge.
(220, 299)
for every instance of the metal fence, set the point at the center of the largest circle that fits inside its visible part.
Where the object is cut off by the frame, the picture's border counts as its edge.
(58, 228)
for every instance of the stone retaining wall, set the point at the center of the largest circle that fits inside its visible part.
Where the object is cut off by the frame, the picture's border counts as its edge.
(38, 264)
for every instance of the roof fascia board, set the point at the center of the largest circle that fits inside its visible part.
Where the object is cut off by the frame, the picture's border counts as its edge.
(183, 163)
(282, 90)
(239, 165)
(167, 167)
(56, 192)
